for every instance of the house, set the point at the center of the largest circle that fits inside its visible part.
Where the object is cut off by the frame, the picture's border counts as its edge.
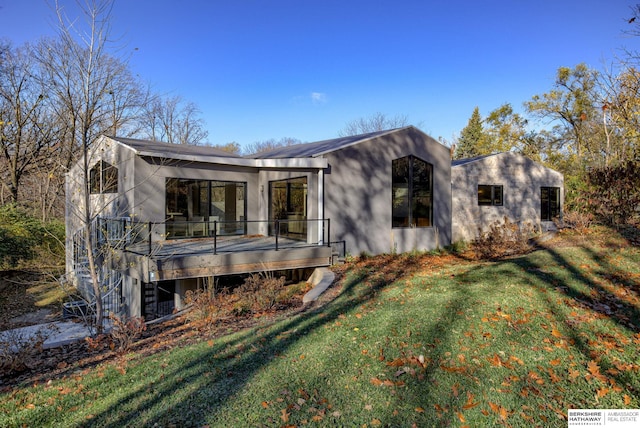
(488, 189)
(169, 218)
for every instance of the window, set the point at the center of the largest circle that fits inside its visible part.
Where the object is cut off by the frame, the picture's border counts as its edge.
(489, 195)
(103, 178)
(288, 201)
(205, 202)
(412, 193)
(549, 203)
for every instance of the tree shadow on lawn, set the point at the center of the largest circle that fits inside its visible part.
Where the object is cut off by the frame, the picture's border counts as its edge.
(210, 378)
(204, 388)
(599, 300)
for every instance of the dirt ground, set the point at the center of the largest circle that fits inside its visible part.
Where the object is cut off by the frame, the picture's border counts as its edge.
(19, 305)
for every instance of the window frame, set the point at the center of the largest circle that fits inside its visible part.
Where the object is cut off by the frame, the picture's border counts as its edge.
(103, 178)
(551, 212)
(407, 195)
(493, 190)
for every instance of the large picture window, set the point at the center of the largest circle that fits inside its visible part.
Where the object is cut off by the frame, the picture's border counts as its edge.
(103, 178)
(194, 207)
(489, 195)
(412, 193)
(549, 203)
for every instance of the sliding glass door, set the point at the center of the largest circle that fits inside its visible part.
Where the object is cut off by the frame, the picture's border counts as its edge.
(205, 207)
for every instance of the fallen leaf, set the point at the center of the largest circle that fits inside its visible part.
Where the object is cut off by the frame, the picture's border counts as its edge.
(398, 362)
(627, 400)
(555, 362)
(602, 392)
(375, 381)
(265, 404)
(461, 417)
(419, 410)
(470, 404)
(284, 415)
(504, 414)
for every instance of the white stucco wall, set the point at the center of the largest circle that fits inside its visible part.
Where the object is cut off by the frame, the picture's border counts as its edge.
(521, 179)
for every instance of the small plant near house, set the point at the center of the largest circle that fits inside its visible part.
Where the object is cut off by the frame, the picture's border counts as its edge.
(261, 291)
(576, 220)
(207, 305)
(125, 331)
(503, 239)
(19, 351)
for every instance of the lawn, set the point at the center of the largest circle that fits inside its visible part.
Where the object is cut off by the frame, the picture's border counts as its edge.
(430, 340)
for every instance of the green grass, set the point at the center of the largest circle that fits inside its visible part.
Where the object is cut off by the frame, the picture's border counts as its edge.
(430, 340)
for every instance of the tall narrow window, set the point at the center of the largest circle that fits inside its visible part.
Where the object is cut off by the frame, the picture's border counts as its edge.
(103, 178)
(549, 203)
(411, 193)
(489, 195)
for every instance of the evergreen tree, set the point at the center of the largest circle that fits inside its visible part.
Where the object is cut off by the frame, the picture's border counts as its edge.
(470, 137)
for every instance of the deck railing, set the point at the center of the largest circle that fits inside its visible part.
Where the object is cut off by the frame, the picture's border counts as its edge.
(149, 238)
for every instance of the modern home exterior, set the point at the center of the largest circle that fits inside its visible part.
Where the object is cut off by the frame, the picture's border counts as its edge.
(488, 189)
(168, 218)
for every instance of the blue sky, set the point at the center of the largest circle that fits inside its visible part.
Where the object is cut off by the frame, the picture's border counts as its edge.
(262, 69)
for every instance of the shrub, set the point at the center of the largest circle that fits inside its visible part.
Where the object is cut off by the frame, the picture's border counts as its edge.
(614, 193)
(125, 331)
(206, 305)
(20, 351)
(503, 239)
(261, 291)
(23, 237)
(579, 221)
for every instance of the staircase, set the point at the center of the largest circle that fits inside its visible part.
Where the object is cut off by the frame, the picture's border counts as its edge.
(110, 280)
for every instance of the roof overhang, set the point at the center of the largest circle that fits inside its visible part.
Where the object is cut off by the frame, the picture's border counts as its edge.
(313, 163)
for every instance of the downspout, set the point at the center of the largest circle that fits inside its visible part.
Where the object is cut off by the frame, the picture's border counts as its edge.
(321, 207)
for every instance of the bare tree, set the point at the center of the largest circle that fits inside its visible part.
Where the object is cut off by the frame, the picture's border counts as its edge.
(25, 122)
(85, 80)
(375, 123)
(266, 145)
(173, 120)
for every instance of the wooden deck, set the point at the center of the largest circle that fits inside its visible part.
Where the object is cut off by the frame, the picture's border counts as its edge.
(192, 258)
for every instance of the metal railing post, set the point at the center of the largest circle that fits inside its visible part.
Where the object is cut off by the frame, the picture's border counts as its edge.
(149, 231)
(215, 237)
(328, 232)
(277, 230)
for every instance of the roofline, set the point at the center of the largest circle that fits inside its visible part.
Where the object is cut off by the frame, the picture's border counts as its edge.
(358, 141)
(477, 159)
(314, 163)
(255, 163)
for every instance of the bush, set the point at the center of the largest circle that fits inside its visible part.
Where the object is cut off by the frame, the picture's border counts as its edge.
(20, 351)
(206, 305)
(125, 331)
(614, 193)
(23, 237)
(503, 239)
(579, 221)
(261, 291)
